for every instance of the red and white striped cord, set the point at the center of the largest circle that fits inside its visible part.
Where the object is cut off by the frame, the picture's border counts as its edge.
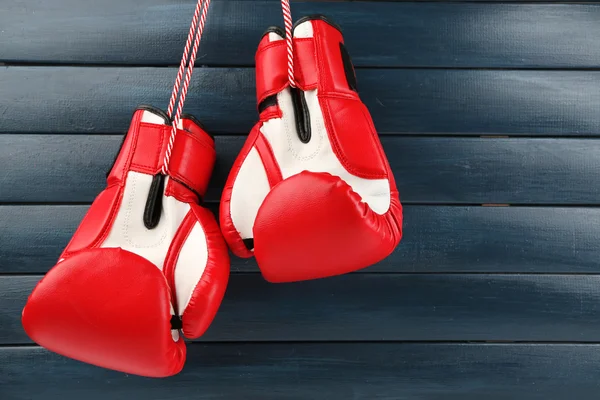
(186, 53)
(194, 36)
(287, 19)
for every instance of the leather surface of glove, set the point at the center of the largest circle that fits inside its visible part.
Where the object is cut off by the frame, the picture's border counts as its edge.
(311, 194)
(146, 263)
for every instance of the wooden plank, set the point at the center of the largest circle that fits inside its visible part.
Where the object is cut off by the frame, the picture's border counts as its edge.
(436, 239)
(384, 307)
(413, 101)
(67, 168)
(327, 371)
(152, 32)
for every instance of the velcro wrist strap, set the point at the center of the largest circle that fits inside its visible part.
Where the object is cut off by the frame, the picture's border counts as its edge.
(271, 75)
(193, 159)
(305, 63)
(271, 67)
(141, 150)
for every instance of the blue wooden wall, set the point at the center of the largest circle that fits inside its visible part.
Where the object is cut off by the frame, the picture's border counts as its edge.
(490, 115)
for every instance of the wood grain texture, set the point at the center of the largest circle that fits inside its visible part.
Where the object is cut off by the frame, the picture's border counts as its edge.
(466, 102)
(67, 168)
(436, 239)
(322, 372)
(384, 307)
(435, 76)
(153, 32)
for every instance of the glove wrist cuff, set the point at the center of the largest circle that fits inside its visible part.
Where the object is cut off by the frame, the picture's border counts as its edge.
(143, 149)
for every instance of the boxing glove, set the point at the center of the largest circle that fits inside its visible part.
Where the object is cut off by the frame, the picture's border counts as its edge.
(311, 193)
(146, 262)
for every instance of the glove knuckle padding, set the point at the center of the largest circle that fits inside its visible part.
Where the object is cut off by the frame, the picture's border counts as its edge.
(311, 223)
(124, 294)
(124, 280)
(311, 193)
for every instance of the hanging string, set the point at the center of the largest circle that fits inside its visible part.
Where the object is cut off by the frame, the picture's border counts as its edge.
(184, 59)
(194, 36)
(287, 19)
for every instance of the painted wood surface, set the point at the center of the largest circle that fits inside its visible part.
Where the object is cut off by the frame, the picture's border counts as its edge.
(436, 77)
(428, 34)
(427, 169)
(437, 239)
(401, 101)
(384, 307)
(322, 371)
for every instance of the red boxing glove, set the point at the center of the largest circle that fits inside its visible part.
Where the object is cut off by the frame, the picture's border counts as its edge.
(311, 195)
(146, 261)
